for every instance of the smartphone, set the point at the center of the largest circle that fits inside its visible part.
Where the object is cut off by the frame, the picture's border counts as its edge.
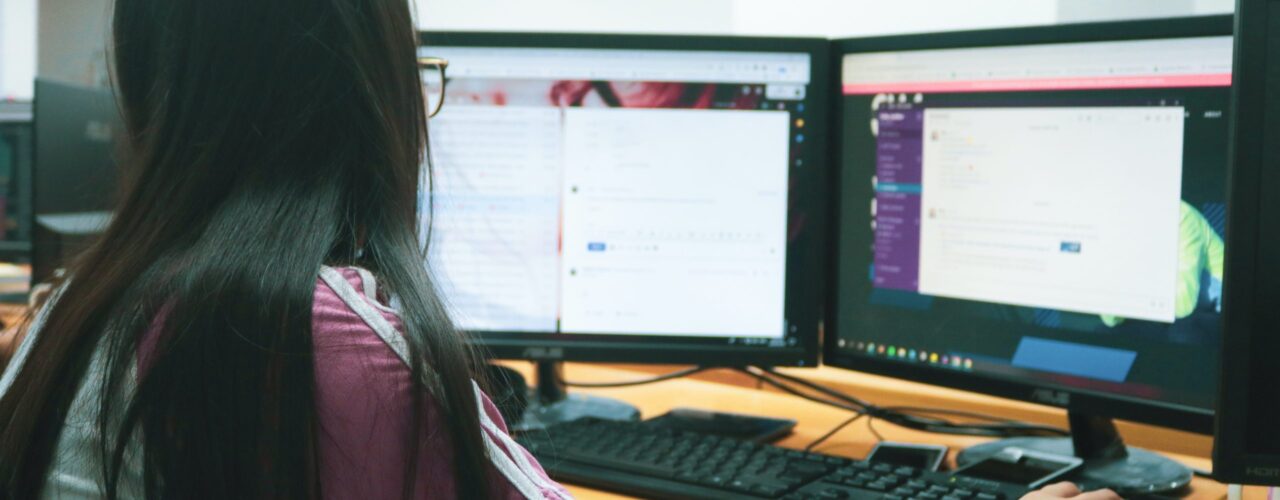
(733, 425)
(921, 456)
(1018, 466)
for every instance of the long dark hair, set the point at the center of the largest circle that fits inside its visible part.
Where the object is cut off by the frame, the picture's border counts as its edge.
(266, 139)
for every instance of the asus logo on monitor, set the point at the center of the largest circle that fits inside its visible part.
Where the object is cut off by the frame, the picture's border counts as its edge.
(1266, 472)
(1051, 397)
(543, 353)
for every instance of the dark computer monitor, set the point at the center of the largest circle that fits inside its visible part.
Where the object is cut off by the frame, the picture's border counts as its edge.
(1038, 214)
(74, 179)
(648, 199)
(1247, 442)
(15, 181)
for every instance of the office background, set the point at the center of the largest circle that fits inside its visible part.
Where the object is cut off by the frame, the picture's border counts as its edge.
(64, 40)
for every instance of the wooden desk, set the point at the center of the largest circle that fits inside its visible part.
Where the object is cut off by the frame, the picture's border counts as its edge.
(726, 391)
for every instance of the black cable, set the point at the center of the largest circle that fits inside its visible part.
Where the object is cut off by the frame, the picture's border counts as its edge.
(833, 431)
(789, 390)
(820, 388)
(871, 426)
(924, 419)
(914, 418)
(954, 413)
(660, 378)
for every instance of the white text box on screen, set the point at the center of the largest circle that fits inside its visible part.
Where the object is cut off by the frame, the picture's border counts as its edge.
(1075, 209)
(675, 222)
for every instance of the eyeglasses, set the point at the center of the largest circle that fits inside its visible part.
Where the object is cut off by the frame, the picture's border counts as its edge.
(433, 79)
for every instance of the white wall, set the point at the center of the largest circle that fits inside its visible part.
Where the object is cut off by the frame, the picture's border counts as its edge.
(17, 49)
(846, 18)
(72, 33)
(831, 18)
(603, 16)
(1106, 10)
(73, 40)
(1215, 6)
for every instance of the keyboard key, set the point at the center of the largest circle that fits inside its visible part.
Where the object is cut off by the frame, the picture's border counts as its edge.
(740, 485)
(768, 491)
(833, 493)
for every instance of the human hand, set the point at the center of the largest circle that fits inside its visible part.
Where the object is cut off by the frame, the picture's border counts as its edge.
(1068, 490)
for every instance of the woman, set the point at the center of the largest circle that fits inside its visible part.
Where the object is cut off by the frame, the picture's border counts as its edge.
(227, 336)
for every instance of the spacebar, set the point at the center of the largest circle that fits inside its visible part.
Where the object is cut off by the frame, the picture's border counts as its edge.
(636, 485)
(611, 462)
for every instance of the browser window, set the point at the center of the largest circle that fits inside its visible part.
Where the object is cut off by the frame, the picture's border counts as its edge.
(659, 176)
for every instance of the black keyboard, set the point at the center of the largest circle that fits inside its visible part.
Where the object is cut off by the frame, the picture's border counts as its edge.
(645, 460)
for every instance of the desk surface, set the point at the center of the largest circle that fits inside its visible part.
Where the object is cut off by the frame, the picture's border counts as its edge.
(724, 391)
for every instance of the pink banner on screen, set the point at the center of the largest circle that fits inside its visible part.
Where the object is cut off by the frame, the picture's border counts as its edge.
(1031, 84)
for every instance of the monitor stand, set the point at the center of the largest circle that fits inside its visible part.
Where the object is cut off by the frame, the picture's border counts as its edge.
(550, 403)
(1107, 461)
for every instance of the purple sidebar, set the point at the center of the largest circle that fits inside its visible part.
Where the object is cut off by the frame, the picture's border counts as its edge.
(899, 170)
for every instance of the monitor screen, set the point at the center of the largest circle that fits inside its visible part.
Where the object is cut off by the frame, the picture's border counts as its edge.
(625, 196)
(1047, 214)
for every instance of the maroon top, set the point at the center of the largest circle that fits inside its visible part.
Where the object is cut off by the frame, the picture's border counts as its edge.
(363, 397)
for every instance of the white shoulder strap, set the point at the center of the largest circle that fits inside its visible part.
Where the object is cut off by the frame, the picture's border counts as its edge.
(361, 306)
(33, 331)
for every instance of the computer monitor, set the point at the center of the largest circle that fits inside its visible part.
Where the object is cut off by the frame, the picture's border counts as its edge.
(1038, 214)
(1247, 441)
(15, 181)
(74, 180)
(649, 199)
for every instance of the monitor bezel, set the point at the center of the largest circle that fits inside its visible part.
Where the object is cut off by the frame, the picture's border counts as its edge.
(1074, 399)
(1249, 290)
(806, 256)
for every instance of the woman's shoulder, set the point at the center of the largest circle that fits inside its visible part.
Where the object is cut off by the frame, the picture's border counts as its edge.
(347, 304)
(352, 329)
(364, 394)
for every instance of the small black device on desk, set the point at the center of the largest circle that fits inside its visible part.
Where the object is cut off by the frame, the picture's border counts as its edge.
(921, 456)
(648, 460)
(1018, 466)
